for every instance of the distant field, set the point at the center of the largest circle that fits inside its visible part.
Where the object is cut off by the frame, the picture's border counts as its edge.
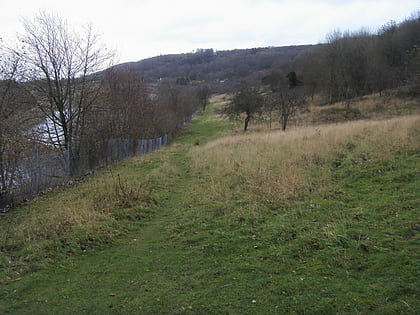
(316, 220)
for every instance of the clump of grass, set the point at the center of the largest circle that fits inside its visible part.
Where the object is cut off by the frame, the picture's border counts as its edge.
(116, 192)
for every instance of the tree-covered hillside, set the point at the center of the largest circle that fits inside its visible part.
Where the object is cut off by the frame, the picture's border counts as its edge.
(223, 69)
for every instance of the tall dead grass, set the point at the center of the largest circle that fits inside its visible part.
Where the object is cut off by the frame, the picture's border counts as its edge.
(86, 206)
(279, 166)
(372, 106)
(89, 207)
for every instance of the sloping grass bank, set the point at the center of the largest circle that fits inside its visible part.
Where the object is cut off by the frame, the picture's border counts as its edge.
(316, 221)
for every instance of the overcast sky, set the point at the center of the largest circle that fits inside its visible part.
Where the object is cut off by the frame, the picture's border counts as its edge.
(139, 29)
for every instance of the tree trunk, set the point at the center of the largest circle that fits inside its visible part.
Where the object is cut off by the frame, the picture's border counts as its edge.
(283, 124)
(283, 120)
(247, 119)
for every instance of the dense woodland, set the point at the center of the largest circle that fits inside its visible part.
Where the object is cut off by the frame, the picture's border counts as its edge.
(56, 75)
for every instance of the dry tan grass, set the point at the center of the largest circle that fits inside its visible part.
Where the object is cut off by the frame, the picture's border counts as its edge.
(87, 205)
(221, 98)
(372, 106)
(281, 165)
(58, 221)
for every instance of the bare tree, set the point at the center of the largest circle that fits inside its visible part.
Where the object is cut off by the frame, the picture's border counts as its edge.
(64, 67)
(203, 96)
(128, 105)
(15, 117)
(247, 100)
(179, 101)
(288, 102)
(287, 96)
(270, 104)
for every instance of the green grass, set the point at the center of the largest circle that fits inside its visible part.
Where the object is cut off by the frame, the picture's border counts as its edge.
(162, 243)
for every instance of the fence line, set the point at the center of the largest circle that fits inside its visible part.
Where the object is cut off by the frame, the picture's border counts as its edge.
(28, 176)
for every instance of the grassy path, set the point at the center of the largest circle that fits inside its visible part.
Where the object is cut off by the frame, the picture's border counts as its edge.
(140, 273)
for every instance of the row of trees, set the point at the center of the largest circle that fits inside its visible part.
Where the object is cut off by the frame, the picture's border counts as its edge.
(49, 85)
(56, 95)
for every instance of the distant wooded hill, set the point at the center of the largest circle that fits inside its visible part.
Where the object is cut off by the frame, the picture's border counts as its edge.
(222, 69)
